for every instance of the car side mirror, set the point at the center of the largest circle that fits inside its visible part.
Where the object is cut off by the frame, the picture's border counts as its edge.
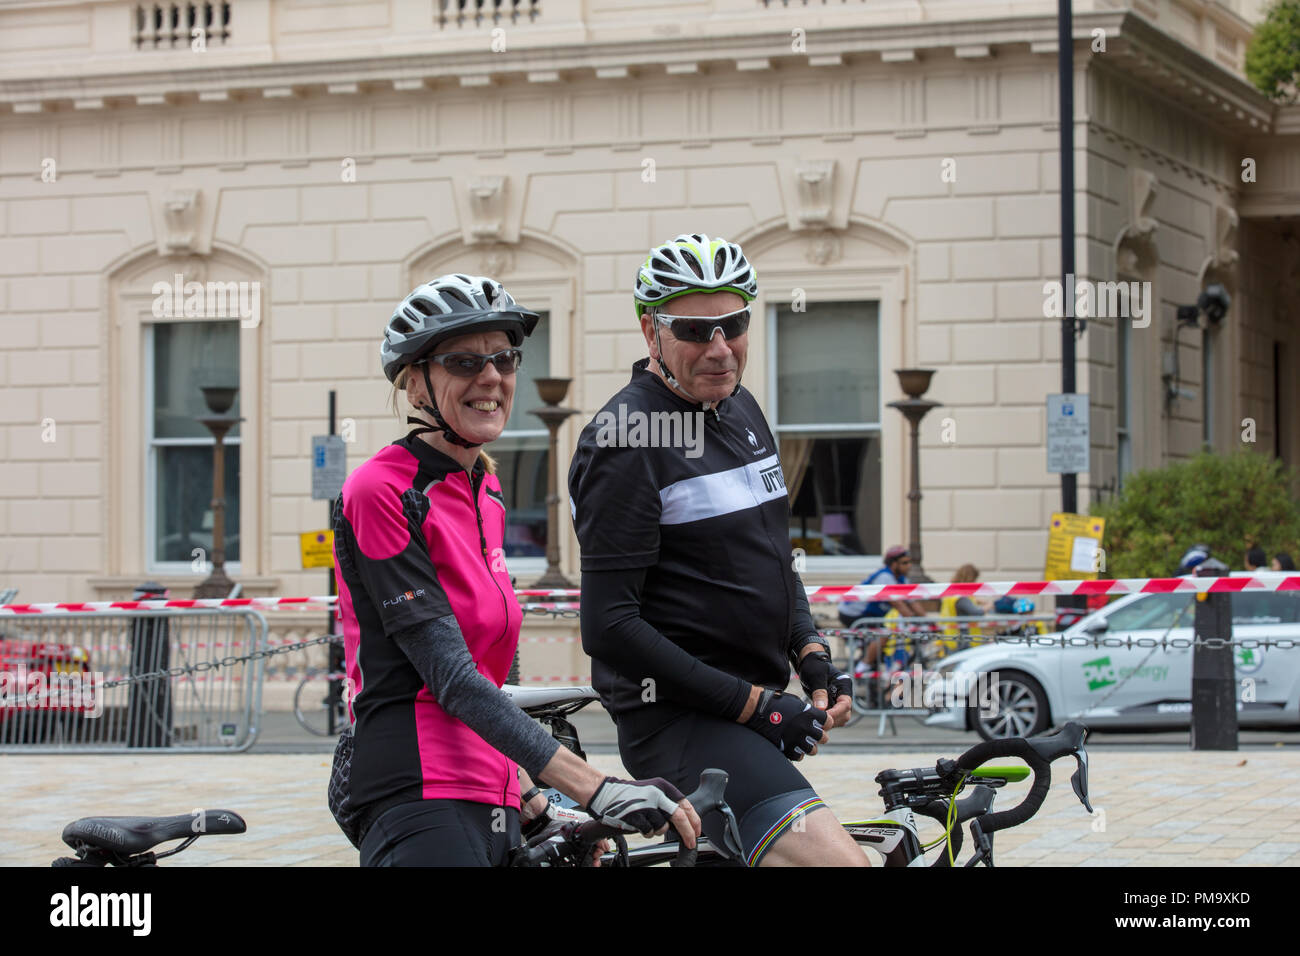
(1097, 626)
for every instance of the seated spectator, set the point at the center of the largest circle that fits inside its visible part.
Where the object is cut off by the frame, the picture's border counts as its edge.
(1283, 562)
(1255, 558)
(959, 607)
(897, 563)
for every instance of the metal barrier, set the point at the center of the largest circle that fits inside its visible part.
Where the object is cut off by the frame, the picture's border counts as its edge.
(174, 680)
(915, 640)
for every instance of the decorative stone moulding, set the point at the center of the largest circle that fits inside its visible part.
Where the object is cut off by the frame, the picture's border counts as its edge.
(823, 248)
(498, 260)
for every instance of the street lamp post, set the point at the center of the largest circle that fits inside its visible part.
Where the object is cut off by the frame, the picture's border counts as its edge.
(219, 399)
(552, 392)
(915, 382)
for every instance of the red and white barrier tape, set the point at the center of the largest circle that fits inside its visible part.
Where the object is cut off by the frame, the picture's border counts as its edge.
(1270, 581)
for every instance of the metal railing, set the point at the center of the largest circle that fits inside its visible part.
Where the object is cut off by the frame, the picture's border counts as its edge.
(175, 680)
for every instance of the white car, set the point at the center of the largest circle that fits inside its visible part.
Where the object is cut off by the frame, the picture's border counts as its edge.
(1131, 687)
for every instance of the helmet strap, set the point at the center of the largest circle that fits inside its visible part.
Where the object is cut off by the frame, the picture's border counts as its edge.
(442, 425)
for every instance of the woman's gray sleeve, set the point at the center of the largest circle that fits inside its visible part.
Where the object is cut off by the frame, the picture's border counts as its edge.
(436, 648)
(968, 608)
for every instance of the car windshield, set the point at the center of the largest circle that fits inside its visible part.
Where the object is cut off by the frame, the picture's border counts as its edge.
(1152, 611)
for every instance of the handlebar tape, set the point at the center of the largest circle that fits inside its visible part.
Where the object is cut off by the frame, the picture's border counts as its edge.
(1012, 747)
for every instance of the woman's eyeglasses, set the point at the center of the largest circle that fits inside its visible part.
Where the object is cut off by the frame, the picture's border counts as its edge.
(469, 364)
(700, 328)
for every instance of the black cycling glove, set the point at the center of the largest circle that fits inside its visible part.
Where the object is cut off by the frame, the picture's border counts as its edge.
(790, 723)
(640, 806)
(816, 672)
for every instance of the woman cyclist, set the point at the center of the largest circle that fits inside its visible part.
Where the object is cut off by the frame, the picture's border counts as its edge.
(430, 621)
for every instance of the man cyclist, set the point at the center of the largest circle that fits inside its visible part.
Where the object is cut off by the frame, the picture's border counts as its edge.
(691, 610)
(430, 621)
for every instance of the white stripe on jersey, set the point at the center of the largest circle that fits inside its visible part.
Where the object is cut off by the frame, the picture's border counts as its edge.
(723, 492)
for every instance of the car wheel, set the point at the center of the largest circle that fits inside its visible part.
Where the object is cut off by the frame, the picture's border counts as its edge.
(1021, 709)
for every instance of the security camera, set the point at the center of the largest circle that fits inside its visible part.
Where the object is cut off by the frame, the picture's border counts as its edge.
(1213, 303)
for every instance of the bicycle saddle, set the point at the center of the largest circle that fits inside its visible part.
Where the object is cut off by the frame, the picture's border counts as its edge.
(525, 697)
(131, 835)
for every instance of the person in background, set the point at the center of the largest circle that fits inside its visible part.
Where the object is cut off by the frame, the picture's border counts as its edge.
(897, 563)
(1283, 562)
(959, 607)
(1255, 558)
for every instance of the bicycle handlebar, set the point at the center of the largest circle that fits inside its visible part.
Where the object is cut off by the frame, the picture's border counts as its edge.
(1038, 753)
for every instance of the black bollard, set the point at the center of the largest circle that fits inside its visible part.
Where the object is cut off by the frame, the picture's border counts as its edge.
(149, 703)
(1214, 678)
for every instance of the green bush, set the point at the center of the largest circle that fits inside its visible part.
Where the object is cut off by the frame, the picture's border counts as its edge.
(1273, 54)
(1227, 502)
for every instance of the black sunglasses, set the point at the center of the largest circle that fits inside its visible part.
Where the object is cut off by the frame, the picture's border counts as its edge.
(469, 364)
(700, 328)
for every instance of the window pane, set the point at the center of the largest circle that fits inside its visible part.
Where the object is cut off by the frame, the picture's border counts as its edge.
(521, 469)
(184, 516)
(1275, 607)
(834, 486)
(1154, 611)
(537, 364)
(188, 356)
(828, 366)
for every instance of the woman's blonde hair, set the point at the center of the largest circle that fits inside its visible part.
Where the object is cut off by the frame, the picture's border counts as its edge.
(399, 389)
(965, 574)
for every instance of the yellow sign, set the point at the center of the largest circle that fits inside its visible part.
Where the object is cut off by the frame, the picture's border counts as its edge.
(317, 549)
(1074, 551)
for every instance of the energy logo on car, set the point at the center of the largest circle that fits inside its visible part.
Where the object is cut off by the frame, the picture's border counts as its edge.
(1099, 673)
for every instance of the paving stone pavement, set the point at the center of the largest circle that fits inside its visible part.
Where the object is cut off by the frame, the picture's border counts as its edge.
(1155, 808)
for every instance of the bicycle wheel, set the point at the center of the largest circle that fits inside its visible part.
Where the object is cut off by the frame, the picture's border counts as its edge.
(311, 704)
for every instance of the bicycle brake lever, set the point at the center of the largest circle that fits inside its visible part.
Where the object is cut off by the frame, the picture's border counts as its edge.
(1079, 780)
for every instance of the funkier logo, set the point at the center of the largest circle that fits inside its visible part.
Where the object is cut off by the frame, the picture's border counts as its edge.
(403, 597)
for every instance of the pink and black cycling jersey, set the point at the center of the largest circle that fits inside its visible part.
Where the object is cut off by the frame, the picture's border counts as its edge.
(417, 538)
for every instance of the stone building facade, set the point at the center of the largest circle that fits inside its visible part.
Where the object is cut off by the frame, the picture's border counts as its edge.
(890, 167)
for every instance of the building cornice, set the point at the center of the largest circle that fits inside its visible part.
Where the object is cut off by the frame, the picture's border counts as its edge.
(1133, 44)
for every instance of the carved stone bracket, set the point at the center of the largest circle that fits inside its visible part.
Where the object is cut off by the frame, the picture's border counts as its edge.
(487, 202)
(181, 218)
(1225, 235)
(815, 180)
(1135, 250)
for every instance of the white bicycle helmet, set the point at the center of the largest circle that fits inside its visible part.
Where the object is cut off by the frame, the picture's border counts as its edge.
(693, 263)
(442, 309)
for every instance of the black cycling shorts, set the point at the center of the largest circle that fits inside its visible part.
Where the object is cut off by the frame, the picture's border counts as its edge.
(764, 790)
(442, 833)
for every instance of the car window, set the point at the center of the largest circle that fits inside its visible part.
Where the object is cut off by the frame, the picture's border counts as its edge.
(1154, 610)
(1273, 607)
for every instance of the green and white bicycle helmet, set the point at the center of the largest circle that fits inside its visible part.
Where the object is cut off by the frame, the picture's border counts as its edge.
(442, 309)
(693, 263)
